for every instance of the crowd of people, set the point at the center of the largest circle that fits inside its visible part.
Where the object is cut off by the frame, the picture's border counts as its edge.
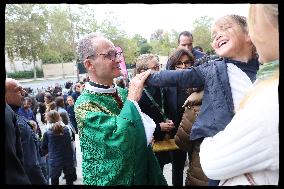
(210, 109)
(45, 148)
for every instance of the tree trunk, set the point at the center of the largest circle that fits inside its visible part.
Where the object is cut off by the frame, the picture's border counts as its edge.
(63, 75)
(34, 69)
(77, 71)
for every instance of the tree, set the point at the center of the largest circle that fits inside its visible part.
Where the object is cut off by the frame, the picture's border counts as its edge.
(110, 28)
(24, 30)
(60, 32)
(61, 35)
(163, 43)
(143, 45)
(201, 32)
(145, 48)
(139, 39)
(130, 49)
(157, 35)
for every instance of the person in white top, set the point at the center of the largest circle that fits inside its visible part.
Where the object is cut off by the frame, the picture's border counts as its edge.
(246, 152)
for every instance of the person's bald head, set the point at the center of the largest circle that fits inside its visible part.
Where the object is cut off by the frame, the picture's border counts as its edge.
(14, 93)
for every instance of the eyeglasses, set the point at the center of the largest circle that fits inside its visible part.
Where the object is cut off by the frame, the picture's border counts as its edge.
(186, 64)
(156, 67)
(111, 55)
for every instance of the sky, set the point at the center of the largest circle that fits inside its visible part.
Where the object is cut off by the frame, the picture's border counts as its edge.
(144, 19)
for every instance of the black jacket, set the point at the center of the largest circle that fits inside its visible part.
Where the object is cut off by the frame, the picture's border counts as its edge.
(14, 170)
(152, 111)
(30, 152)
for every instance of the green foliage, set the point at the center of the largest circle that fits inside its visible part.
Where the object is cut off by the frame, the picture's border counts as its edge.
(163, 43)
(68, 56)
(139, 39)
(130, 49)
(25, 74)
(145, 48)
(110, 28)
(24, 31)
(49, 33)
(50, 57)
(25, 26)
(201, 33)
(60, 33)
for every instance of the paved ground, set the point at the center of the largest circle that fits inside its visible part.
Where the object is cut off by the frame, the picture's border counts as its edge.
(44, 83)
(79, 181)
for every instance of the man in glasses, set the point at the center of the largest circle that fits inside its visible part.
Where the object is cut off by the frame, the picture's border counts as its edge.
(115, 135)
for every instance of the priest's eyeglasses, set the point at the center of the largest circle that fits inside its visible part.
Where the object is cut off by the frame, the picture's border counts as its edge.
(111, 55)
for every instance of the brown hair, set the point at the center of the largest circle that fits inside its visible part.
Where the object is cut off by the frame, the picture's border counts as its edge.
(48, 96)
(54, 117)
(59, 101)
(52, 106)
(177, 55)
(64, 117)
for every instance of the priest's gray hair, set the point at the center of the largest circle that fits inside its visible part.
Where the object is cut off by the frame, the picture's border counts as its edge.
(86, 47)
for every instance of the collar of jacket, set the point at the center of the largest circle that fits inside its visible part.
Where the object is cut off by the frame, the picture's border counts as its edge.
(14, 108)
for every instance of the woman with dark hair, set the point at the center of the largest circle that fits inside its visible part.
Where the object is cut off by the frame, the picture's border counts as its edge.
(175, 97)
(181, 58)
(48, 101)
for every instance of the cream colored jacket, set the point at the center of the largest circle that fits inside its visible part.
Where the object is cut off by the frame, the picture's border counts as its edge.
(249, 143)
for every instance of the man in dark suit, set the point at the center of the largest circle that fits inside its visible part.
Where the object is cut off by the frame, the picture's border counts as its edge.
(14, 170)
(14, 95)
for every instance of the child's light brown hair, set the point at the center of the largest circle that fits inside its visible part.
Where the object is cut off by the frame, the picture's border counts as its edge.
(54, 117)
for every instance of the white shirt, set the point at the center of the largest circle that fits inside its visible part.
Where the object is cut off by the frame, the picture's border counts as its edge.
(240, 83)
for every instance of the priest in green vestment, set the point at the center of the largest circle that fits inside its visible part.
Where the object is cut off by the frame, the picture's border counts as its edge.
(115, 136)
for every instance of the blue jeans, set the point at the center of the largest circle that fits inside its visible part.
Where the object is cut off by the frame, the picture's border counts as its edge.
(213, 182)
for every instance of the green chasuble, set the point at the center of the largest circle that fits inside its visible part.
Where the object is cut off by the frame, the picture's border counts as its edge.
(113, 141)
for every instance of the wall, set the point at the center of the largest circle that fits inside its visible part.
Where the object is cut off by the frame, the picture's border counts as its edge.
(20, 65)
(49, 70)
(55, 70)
